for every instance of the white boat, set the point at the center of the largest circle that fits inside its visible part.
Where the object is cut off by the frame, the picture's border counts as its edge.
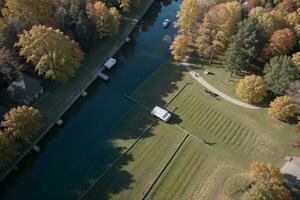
(161, 113)
(110, 63)
(166, 23)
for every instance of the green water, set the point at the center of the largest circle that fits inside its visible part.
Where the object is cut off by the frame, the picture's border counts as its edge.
(78, 152)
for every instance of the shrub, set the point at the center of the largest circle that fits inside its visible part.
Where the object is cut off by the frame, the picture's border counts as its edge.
(236, 186)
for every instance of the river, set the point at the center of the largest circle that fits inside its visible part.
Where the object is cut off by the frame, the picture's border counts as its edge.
(77, 151)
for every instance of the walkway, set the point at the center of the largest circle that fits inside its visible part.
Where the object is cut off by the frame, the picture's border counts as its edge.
(205, 84)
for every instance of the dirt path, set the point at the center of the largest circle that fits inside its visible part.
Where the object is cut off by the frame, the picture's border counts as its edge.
(205, 84)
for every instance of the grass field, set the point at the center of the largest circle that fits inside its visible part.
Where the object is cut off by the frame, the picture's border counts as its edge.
(198, 171)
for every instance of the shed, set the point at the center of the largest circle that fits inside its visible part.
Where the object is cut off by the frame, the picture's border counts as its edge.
(110, 63)
(25, 89)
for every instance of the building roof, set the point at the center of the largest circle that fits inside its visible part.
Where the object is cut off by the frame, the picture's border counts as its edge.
(291, 170)
(24, 88)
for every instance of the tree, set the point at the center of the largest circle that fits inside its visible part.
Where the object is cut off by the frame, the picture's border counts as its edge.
(22, 122)
(29, 12)
(282, 108)
(9, 149)
(252, 4)
(179, 47)
(8, 34)
(296, 60)
(244, 46)
(107, 21)
(54, 55)
(266, 20)
(216, 29)
(293, 91)
(188, 17)
(267, 191)
(83, 31)
(9, 67)
(125, 5)
(265, 172)
(281, 43)
(252, 89)
(279, 72)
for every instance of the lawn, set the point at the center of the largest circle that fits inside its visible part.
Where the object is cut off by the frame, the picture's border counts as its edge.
(198, 171)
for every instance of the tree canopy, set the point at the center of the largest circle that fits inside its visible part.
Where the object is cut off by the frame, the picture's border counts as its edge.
(282, 108)
(179, 47)
(54, 55)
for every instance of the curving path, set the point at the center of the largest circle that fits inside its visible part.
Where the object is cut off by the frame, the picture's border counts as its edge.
(205, 84)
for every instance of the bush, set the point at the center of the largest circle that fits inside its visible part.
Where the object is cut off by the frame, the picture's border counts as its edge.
(236, 186)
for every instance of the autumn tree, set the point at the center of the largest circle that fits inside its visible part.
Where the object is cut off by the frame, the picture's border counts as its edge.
(54, 55)
(216, 29)
(266, 20)
(9, 149)
(107, 21)
(282, 108)
(22, 123)
(281, 43)
(252, 89)
(29, 11)
(179, 47)
(279, 72)
(296, 60)
(267, 191)
(252, 4)
(265, 172)
(9, 67)
(244, 46)
(189, 16)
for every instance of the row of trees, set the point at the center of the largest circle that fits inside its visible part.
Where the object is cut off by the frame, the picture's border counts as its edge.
(18, 127)
(53, 26)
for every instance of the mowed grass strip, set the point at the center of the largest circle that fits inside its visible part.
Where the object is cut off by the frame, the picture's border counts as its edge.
(198, 115)
(195, 173)
(131, 177)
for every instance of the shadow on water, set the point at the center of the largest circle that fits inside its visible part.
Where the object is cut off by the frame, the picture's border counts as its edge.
(68, 163)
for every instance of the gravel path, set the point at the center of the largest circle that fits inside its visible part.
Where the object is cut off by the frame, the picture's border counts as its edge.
(205, 84)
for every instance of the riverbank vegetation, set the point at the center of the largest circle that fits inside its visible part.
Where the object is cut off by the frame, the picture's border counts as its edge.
(48, 41)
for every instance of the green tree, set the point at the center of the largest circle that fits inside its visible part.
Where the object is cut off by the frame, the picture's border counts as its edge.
(179, 47)
(244, 46)
(252, 89)
(282, 108)
(9, 67)
(8, 34)
(22, 123)
(54, 55)
(29, 11)
(83, 31)
(279, 72)
(268, 22)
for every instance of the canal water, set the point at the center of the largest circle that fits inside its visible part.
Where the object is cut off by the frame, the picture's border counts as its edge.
(76, 153)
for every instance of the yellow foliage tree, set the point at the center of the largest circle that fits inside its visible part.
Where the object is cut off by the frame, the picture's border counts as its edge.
(22, 123)
(179, 47)
(252, 89)
(29, 12)
(296, 60)
(282, 108)
(9, 149)
(107, 21)
(54, 55)
(265, 172)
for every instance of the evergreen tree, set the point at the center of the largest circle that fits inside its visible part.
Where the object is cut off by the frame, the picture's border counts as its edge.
(83, 31)
(244, 46)
(279, 72)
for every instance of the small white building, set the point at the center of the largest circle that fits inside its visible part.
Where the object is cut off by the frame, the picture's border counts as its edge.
(161, 113)
(110, 63)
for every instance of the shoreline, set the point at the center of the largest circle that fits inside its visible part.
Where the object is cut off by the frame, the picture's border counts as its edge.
(77, 94)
